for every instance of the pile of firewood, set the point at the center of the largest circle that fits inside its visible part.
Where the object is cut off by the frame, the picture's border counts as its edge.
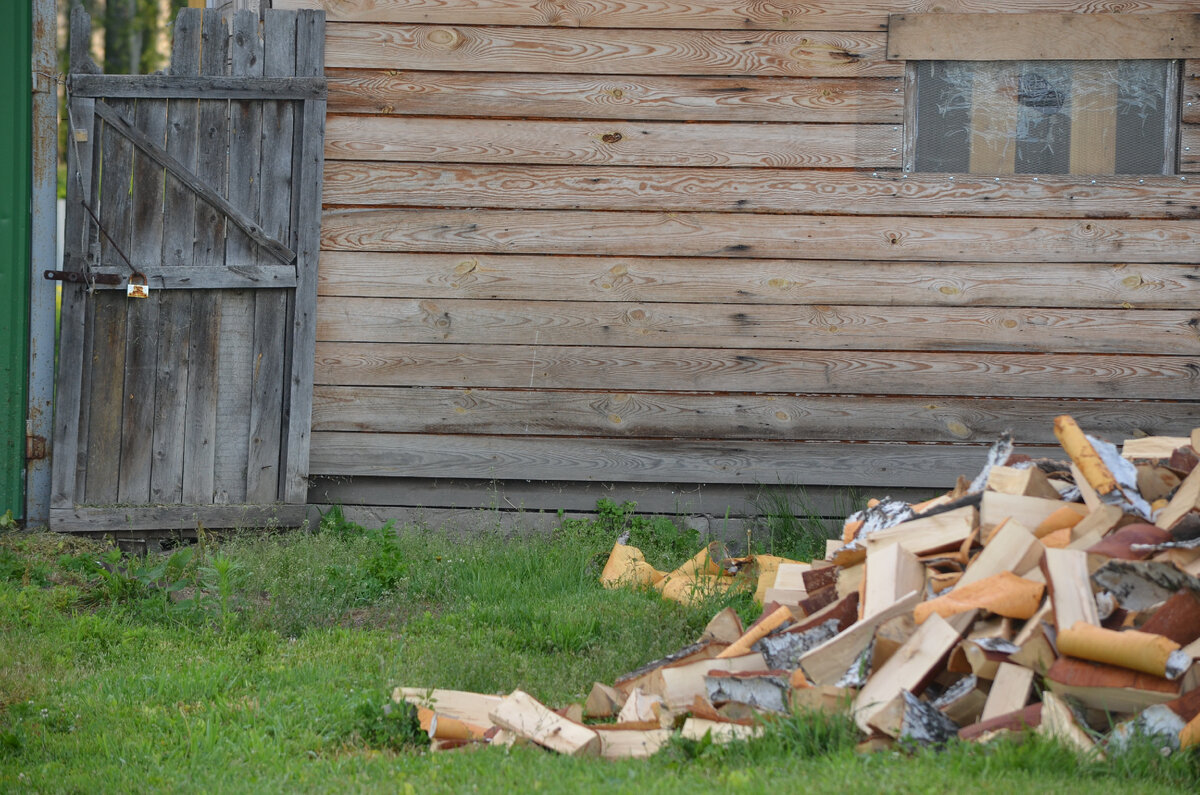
(1058, 597)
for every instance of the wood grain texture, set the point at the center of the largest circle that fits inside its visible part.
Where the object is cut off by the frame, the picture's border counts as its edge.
(815, 372)
(1189, 110)
(1043, 37)
(586, 187)
(175, 518)
(608, 51)
(698, 14)
(724, 235)
(813, 327)
(766, 281)
(1189, 148)
(105, 394)
(615, 143)
(818, 463)
(718, 416)
(650, 97)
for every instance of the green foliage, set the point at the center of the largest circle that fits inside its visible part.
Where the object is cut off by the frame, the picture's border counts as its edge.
(791, 527)
(664, 543)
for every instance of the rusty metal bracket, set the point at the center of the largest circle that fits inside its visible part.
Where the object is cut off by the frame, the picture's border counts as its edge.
(81, 278)
(35, 447)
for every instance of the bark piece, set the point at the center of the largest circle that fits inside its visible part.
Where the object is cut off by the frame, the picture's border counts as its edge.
(814, 579)
(1120, 545)
(845, 610)
(1137, 651)
(1156, 723)
(603, 701)
(1189, 736)
(1114, 478)
(768, 566)
(444, 727)
(1010, 690)
(696, 651)
(908, 669)
(963, 702)
(1069, 515)
(784, 650)
(1019, 720)
(815, 602)
(827, 663)
(689, 589)
(1178, 619)
(725, 627)
(762, 690)
(1005, 594)
(525, 716)
(1140, 585)
(627, 566)
(1070, 591)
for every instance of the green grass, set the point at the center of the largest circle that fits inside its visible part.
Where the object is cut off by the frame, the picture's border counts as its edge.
(262, 663)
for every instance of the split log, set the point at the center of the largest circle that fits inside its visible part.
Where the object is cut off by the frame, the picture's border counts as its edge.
(1107, 687)
(1012, 548)
(640, 706)
(464, 705)
(1178, 619)
(1019, 720)
(923, 535)
(1070, 591)
(963, 702)
(633, 744)
(719, 732)
(1137, 651)
(725, 627)
(523, 715)
(603, 701)
(679, 684)
(1142, 584)
(1010, 691)
(1027, 482)
(892, 571)
(696, 651)
(784, 650)
(1029, 511)
(827, 663)
(911, 720)
(763, 690)
(1185, 502)
(1059, 722)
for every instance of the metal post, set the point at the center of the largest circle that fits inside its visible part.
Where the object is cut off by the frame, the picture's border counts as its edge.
(43, 256)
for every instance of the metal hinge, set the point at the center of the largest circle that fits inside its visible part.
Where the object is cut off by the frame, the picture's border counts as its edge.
(35, 447)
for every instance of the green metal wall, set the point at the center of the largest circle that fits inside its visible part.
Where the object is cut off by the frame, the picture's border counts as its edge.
(15, 174)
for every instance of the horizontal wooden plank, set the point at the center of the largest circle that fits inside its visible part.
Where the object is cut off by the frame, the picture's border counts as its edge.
(749, 281)
(1189, 148)
(814, 372)
(178, 518)
(649, 97)
(754, 235)
(608, 142)
(803, 326)
(731, 415)
(170, 277)
(188, 87)
(757, 190)
(556, 458)
(1043, 37)
(606, 51)
(697, 14)
(676, 499)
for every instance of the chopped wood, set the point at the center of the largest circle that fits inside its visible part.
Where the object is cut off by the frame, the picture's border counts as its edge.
(1185, 501)
(1107, 687)
(1019, 720)
(762, 690)
(633, 743)
(908, 669)
(724, 627)
(768, 566)
(1069, 515)
(1070, 590)
(1059, 722)
(1157, 482)
(523, 715)
(696, 651)
(1120, 544)
(845, 610)
(827, 663)
(444, 727)
(1142, 584)
(1029, 511)
(1010, 691)
(1013, 548)
(792, 597)
(875, 744)
(641, 706)
(984, 655)
(814, 579)
(1152, 448)
(461, 704)
(1178, 619)
(963, 702)
(1005, 594)
(815, 602)
(777, 619)
(679, 684)
(892, 571)
(851, 579)
(603, 701)
(784, 650)
(890, 636)
(929, 534)
(909, 719)
(829, 699)
(791, 575)
(1027, 482)
(719, 732)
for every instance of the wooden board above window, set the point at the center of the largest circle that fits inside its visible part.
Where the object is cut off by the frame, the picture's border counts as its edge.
(1042, 37)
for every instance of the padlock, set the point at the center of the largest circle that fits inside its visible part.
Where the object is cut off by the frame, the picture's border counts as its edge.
(138, 287)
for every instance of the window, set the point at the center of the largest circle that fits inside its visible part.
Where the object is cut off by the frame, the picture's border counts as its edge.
(1045, 117)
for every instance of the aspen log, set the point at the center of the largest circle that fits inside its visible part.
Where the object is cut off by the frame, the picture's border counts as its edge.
(1076, 445)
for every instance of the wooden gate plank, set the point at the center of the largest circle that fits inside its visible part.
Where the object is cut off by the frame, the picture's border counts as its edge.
(725, 144)
(750, 235)
(816, 191)
(649, 97)
(150, 116)
(609, 51)
(236, 342)
(174, 336)
(804, 326)
(208, 251)
(759, 281)
(310, 58)
(815, 372)
(270, 306)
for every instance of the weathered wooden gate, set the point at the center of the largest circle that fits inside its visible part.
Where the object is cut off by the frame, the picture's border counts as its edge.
(193, 405)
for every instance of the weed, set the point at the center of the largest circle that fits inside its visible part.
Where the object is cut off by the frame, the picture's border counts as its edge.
(659, 538)
(793, 527)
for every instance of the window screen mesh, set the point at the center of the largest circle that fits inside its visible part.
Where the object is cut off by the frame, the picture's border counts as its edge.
(1043, 117)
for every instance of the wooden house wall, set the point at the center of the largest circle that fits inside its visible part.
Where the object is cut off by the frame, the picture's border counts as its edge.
(664, 244)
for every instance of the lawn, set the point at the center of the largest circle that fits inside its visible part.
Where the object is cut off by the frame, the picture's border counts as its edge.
(262, 662)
